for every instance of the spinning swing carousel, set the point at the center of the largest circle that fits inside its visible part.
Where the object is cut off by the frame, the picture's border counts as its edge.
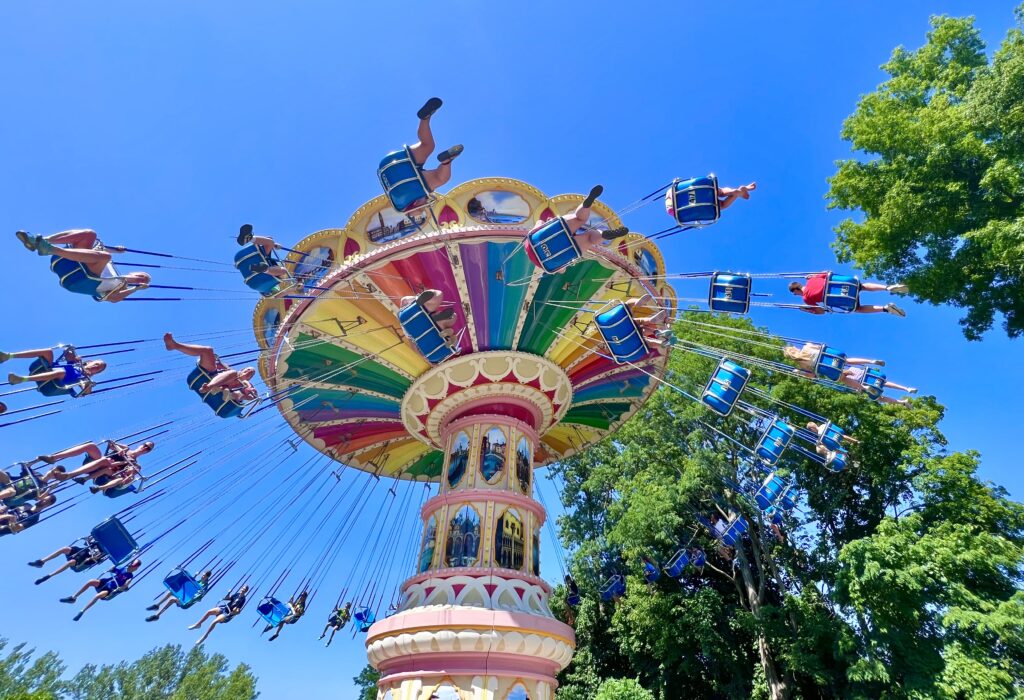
(526, 381)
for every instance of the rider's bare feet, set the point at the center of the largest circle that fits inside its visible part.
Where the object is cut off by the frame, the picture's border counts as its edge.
(745, 190)
(169, 341)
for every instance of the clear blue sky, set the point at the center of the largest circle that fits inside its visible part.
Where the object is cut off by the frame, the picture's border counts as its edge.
(164, 125)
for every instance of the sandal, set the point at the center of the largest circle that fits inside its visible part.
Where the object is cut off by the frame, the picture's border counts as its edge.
(27, 240)
(444, 315)
(595, 192)
(450, 154)
(614, 233)
(425, 296)
(428, 108)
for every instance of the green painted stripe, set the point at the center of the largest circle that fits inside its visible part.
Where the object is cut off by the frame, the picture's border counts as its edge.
(309, 362)
(543, 321)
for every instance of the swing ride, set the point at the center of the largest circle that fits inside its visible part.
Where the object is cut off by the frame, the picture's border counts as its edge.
(446, 346)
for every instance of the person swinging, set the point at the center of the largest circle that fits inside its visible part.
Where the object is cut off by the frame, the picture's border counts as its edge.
(337, 621)
(169, 599)
(84, 266)
(296, 609)
(113, 583)
(222, 388)
(54, 374)
(556, 243)
(226, 610)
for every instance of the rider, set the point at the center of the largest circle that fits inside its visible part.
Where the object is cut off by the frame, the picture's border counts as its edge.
(169, 599)
(14, 492)
(262, 260)
(422, 149)
(296, 609)
(586, 238)
(805, 357)
(431, 301)
(726, 196)
(119, 464)
(84, 248)
(819, 430)
(337, 621)
(115, 581)
(80, 555)
(68, 371)
(225, 611)
(813, 295)
(14, 520)
(236, 382)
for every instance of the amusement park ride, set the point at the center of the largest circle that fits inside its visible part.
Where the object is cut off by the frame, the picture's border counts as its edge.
(466, 340)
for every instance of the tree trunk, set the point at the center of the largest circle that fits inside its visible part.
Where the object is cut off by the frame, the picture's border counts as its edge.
(777, 684)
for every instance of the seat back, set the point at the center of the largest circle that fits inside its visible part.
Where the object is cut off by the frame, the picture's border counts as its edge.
(364, 618)
(403, 181)
(651, 572)
(830, 363)
(114, 540)
(554, 247)
(874, 383)
(75, 276)
(424, 332)
(614, 587)
(677, 564)
(842, 292)
(272, 610)
(730, 292)
(263, 282)
(770, 491)
(831, 437)
(695, 201)
(838, 463)
(774, 441)
(183, 586)
(621, 334)
(725, 386)
(735, 532)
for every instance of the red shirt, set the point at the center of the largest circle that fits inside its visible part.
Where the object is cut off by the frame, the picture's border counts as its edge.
(814, 290)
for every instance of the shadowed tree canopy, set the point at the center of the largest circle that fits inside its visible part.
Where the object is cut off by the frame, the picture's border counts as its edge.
(899, 577)
(939, 185)
(167, 673)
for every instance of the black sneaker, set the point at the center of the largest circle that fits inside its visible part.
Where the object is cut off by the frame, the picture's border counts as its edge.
(244, 234)
(444, 315)
(38, 563)
(429, 107)
(614, 233)
(44, 579)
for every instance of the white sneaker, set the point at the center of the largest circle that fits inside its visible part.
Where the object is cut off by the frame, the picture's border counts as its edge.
(893, 309)
(897, 289)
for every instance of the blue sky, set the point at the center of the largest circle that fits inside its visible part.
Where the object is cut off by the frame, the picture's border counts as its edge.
(164, 125)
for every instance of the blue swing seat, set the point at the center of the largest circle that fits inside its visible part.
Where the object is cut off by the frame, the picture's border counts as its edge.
(874, 383)
(573, 600)
(770, 491)
(774, 441)
(730, 292)
(621, 334)
(184, 587)
(699, 558)
(774, 515)
(725, 386)
(830, 363)
(838, 463)
(263, 282)
(553, 246)
(425, 333)
(113, 539)
(735, 532)
(614, 587)
(364, 618)
(831, 437)
(223, 407)
(272, 610)
(134, 487)
(695, 201)
(677, 564)
(651, 572)
(402, 180)
(842, 292)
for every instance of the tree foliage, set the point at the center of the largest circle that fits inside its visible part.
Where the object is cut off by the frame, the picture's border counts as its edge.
(622, 689)
(898, 578)
(941, 185)
(366, 681)
(166, 673)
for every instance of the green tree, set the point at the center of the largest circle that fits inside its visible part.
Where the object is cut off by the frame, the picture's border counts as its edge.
(367, 682)
(166, 673)
(622, 689)
(818, 613)
(23, 678)
(940, 186)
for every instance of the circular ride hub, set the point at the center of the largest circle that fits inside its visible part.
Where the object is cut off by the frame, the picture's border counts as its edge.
(530, 384)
